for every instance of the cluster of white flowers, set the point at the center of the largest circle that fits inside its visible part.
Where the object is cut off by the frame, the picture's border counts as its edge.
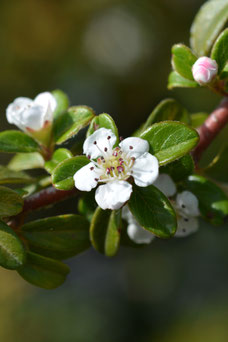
(114, 166)
(185, 204)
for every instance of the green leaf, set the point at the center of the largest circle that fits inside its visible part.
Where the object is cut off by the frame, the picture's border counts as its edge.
(220, 51)
(153, 211)
(26, 161)
(183, 60)
(213, 203)
(43, 272)
(58, 156)
(71, 122)
(207, 24)
(12, 252)
(112, 238)
(219, 168)
(58, 237)
(168, 109)
(62, 176)
(177, 81)
(103, 120)
(8, 176)
(197, 119)
(170, 140)
(16, 141)
(62, 102)
(11, 203)
(87, 205)
(179, 169)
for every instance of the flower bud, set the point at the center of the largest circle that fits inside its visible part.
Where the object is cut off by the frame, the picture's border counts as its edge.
(204, 70)
(34, 117)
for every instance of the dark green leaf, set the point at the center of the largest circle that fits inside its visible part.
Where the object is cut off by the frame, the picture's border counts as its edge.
(197, 119)
(219, 168)
(179, 169)
(183, 60)
(12, 252)
(62, 176)
(16, 141)
(170, 140)
(8, 176)
(207, 24)
(62, 102)
(177, 81)
(87, 205)
(112, 238)
(26, 161)
(153, 211)
(10, 202)
(58, 156)
(98, 229)
(220, 50)
(43, 272)
(103, 120)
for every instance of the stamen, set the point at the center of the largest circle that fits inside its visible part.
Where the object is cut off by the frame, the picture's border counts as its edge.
(95, 142)
(109, 137)
(108, 171)
(89, 157)
(131, 147)
(183, 206)
(105, 149)
(96, 179)
(120, 169)
(92, 168)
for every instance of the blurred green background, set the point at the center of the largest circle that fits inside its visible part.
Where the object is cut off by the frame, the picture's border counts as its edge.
(113, 55)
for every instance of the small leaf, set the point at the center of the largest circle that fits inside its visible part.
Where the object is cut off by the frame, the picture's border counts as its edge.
(43, 272)
(16, 141)
(58, 156)
(177, 81)
(207, 24)
(220, 51)
(8, 176)
(71, 122)
(87, 205)
(26, 161)
(197, 119)
(62, 102)
(112, 238)
(183, 60)
(12, 252)
(62, 176)
(179, 169)
(11, 203)
(153, 211)
(58, 237)
(213, 203)
(170, 140)
(103, 120)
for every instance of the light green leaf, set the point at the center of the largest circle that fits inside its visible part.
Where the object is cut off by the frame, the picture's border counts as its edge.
(220, 51)
(8, 176)
(179, 169)
(112, 238)
(58, 156)
(103, 120)
(153, 211)
(12, 252)
(177, 81)
(11, 203)
(16, 141)
(183, 60)
(170, 140)
(207, 24)
(197, 119)
(62, 102)
(26, 161)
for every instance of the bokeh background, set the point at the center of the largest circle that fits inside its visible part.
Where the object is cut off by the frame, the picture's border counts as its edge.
(113, 55)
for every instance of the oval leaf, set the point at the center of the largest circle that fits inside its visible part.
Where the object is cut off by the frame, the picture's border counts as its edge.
(220, 51)
(112, 238)
(62, 102)
(8, 176)
(11, 203)
(16, 141)
(183, 60)
(26, 161)
(179, 169)
(175, 80)
(98, 229)
(170, 140)
(58, 156)
(103, 120)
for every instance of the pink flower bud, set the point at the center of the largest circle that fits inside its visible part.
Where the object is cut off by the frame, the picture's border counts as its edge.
(204, 70)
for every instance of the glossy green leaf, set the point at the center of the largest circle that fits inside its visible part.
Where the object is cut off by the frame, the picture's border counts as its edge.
(71, 122)
(62, 102)
(58, 156)
(87, 204)
(170, 140)
(62, 176)
(213, 203)
(26, 161)
(8, 176)
(183, 60)
(98, 229)
(12, 252)
(43, 272)
(153, 211)
(220, 51)
(177, 81)
(103, 120)
(207, 24)
(58, 237)
(16, 141)
(197, 119)
(10, 202)
(179, 169)
(112, 238)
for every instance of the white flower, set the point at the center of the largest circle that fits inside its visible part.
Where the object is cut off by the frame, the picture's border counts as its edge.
(113, 166)
(186, 206)
(32, 116)
(204, 70)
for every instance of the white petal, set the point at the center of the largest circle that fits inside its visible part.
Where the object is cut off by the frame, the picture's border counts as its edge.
(33, 117)
(145, 169)
(135, 147)
(166, 185)
(188, 203)
(104, 138)
(186, 226)
(87, 177)
(113, 194)
(46, 100)
(126, 214)
(14, 111)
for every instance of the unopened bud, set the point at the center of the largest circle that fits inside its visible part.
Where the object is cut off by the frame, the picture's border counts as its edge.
(204, 70)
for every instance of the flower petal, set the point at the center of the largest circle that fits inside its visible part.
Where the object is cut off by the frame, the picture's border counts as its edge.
(46, 100)
(138, 234)
(113, 194)
(87, 177)
(166, 185)
(145, 169)
(186, 226)
(134, 147)
(188, 203)
(96, 144)
(14, 111)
